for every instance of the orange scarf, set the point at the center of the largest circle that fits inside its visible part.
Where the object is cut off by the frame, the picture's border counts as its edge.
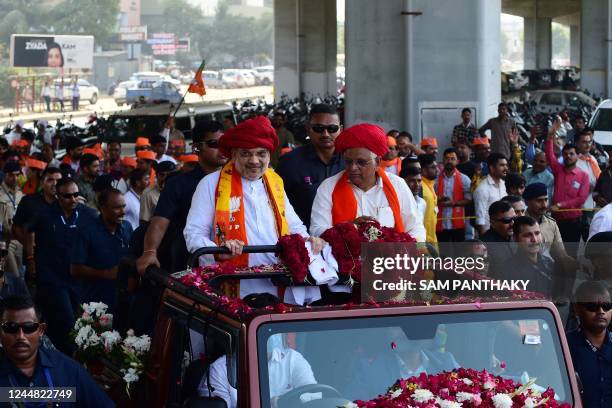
(344, 204)
(397, 162)
(458, 212)
(229, 209)
(593, 163)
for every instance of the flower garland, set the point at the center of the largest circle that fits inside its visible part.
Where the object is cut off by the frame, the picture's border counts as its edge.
(346, 239)
(459, 388)
(295, 256)
(95, 338)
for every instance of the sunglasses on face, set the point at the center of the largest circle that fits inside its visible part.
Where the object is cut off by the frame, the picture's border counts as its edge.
(594, 306)
(211, 144)
(322, 128)
(359, 162)
(13, 328)
(70, 195)
(506, 220)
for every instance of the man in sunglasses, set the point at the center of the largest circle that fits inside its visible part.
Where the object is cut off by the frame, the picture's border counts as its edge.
(364, 189)
(591, 344)
(303, 169)
(25, 363)
(498, 237)
(49, 240)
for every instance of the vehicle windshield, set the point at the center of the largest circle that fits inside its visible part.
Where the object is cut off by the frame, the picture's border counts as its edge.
(362, 358)
(603, 120)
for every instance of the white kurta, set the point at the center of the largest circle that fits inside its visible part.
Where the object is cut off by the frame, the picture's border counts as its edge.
(287, 370)
(259, 220)
(132, 208)
(372, 203)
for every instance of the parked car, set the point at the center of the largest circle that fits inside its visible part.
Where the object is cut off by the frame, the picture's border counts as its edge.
(233, 78)
(120, 92)
(265, 74)
(537, 79)
(146, 76)
(212, 79)
(601, 122)
(153, 92)
(554, 101)
(87, 91)
(249, 77)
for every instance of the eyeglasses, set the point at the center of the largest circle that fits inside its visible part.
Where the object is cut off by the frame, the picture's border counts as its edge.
(506, 220)
(594, 306)
(70, 195)
(211, 144)
(27, 327)
(359, 162)
(322, 128)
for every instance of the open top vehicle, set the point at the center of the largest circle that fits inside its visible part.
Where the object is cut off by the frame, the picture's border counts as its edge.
(346, 355)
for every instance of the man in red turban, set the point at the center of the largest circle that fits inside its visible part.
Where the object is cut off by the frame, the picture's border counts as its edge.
(364, 189)
(244, 203)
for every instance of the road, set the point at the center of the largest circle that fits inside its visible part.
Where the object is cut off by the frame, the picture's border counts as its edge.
(107, 105)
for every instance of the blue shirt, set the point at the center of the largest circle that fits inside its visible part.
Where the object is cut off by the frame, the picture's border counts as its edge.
(54, 237)
(594, 369)
(302, 172)
(545, 177)
(63, 372)
(30, 206)
(173, 204)
(98, 248)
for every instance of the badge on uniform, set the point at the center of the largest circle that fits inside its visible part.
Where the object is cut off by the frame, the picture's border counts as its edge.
(576, 185)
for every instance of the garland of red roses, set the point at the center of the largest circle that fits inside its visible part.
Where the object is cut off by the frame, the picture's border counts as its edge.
(295, 256)
(469, 387)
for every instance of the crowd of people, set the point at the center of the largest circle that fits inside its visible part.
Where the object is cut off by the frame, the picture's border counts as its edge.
(68, 222)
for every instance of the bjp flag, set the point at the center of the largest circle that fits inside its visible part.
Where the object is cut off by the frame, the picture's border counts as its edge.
(197, 85)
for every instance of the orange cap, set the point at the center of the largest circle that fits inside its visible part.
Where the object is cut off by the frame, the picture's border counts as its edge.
(482, 141)
(429, 141)
(89, 150)
(177, 142)
(20, 143)
(36, 164)
(128, 161)
(146, 155)
(391, 141)
(189, 158)
(142, 141)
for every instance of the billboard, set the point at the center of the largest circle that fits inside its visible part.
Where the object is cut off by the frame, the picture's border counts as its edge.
(53, 51)
(133, 34)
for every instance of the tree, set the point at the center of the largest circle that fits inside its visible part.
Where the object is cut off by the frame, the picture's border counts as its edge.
(87, 17)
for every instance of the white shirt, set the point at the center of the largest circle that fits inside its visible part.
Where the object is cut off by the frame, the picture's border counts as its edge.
(584, 165)
(287, 370)
(132, 208)
(602, 221)
(259, 220)
(372, 203)
(121, 185)
(486, 194)
(421, 206)
(46, 90)
(75, 91)
(449, 188)
(165, 157)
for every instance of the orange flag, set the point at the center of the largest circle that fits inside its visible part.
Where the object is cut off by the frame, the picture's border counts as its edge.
(197, 85)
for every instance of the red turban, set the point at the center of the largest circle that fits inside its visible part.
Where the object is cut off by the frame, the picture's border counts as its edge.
(250, 134)
(371, 137)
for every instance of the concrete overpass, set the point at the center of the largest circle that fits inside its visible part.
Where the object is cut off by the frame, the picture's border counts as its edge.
(411, 62)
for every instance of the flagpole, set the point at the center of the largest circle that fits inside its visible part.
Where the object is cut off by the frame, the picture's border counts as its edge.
(187, 91)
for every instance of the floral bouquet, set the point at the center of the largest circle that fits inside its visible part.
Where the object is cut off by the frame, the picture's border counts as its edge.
(346, 239)
(95, 339)
(462, 388)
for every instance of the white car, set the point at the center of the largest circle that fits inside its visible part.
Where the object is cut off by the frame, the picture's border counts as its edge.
(120, 91)
(233, 78)
(265, 75)
(249, 77)
(554, 101)
(87, 91)
(601, 122)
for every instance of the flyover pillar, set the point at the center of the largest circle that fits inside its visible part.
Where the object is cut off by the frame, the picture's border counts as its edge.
(414, 64)
(305, 47)
(596, 54)
(529, 43)
(543, 42)
(575, 45)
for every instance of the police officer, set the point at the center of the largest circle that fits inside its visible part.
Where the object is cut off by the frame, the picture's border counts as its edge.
(99, 247)
(48, 246)
(25, 363)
